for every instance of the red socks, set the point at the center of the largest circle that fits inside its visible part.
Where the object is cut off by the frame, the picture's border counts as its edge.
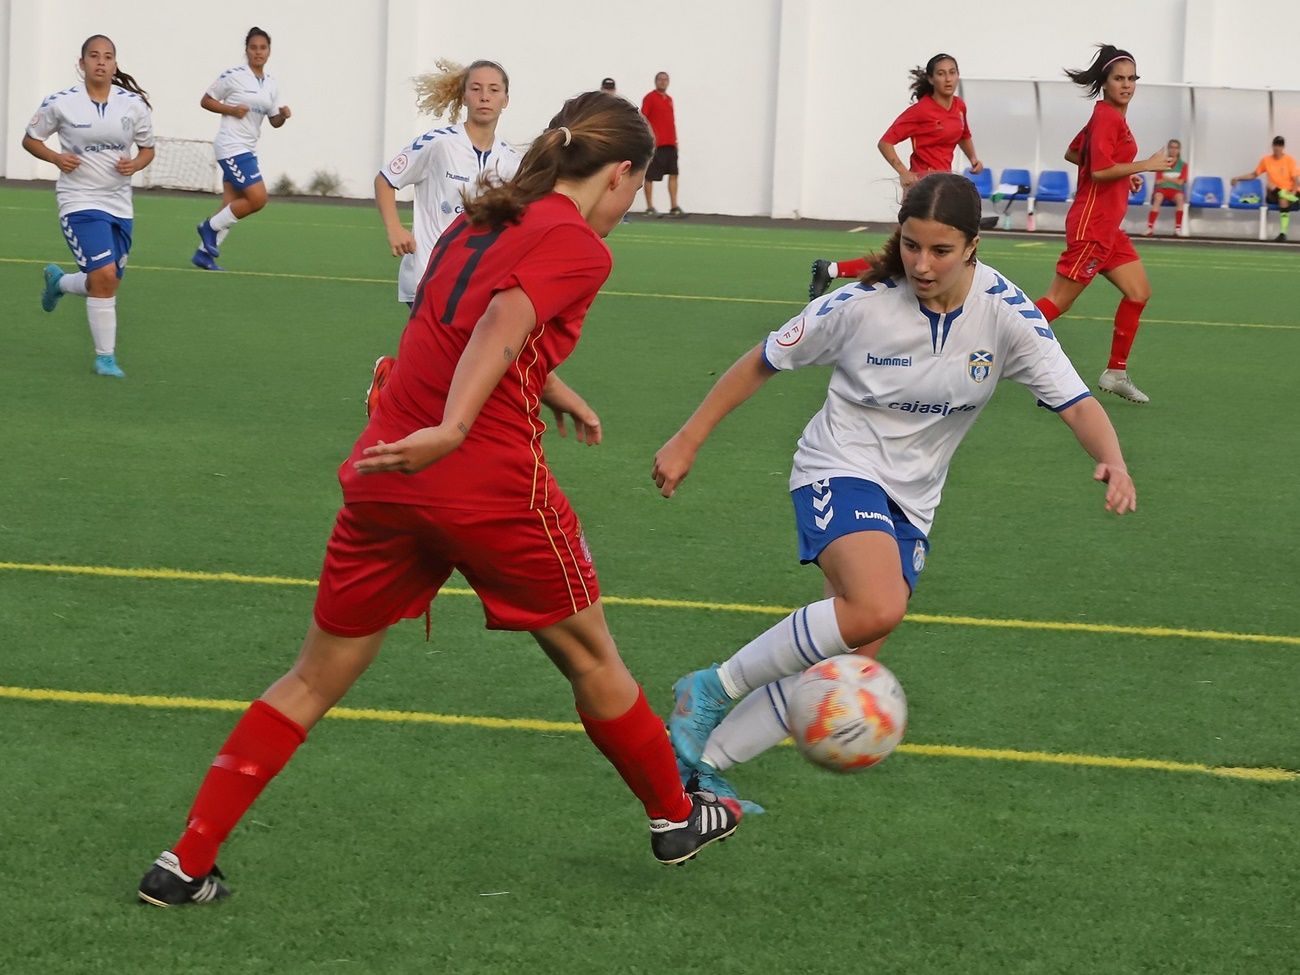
(854, 268)
(262, 743)
(636, 744)
(1126, 327)
(1048, 308)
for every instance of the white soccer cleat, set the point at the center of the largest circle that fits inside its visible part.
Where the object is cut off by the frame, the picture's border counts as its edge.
(1116, 381)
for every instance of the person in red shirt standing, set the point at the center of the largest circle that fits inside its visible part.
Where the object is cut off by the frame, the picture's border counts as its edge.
(657, 107)
(449, 474)
(936, 125)
(1094, 243)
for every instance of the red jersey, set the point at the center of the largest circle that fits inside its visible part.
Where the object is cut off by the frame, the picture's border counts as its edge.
(934, 131)
(657, 107)
(1099, 208)
(560, 263)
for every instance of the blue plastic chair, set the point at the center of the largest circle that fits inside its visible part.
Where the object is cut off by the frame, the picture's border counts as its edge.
(1053, 186)
(983, 181)
(1246, 195)
(1017, 177)
(1139, 195)
(1207, 192)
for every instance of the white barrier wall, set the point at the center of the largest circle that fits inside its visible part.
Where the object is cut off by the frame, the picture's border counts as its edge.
(779, 102)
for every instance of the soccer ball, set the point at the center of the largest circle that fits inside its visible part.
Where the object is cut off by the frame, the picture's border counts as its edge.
(847, 713)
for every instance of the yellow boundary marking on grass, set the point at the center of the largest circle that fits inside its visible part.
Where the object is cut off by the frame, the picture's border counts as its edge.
(726, 299)
(162, 702)
(1060, 626)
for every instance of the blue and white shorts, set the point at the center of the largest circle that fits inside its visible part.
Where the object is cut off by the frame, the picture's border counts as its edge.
(97, 239)
(240, 171)
(838, 506)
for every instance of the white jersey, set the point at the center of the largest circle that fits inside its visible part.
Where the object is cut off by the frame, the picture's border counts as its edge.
(908, 382)
(100, 134)
(239, 86)
(442, 165)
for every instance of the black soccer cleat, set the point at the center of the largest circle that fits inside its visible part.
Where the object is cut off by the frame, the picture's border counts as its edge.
(821, 279)
(711, 819)
(166, 885)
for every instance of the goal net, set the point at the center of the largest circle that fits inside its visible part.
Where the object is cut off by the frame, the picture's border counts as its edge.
(182, 164)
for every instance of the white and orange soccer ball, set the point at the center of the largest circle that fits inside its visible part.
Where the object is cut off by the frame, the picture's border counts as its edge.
(847, 713)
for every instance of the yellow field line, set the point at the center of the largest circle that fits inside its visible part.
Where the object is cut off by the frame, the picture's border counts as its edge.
(188, 575)
(40, 694)
(726, 299)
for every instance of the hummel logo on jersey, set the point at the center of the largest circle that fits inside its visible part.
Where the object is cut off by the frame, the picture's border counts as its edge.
(459, 179)
(889, 360)
(873, 516)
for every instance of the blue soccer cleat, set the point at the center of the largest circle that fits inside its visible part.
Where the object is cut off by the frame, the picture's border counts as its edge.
(203, 260)
(710, 780)
(700, 706)
(52, 293)
(106, 365)
(209, 238)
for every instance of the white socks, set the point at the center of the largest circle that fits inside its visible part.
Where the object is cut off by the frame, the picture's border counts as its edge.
(222, 235)
(751, 727)
(73, 284)
(223, 219)
(833, 269)
(102, 315)
(792, 646)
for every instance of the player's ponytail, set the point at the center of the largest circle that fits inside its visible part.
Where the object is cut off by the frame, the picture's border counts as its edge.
(592, 130)
(923, 78)
(120, 77)
(442, 92)
(1093, 77)
(946, 198)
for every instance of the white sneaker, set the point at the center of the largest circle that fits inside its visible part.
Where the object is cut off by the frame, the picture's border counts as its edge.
(1116, 381)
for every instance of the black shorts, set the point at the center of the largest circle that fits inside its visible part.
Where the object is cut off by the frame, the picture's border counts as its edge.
(1269, 197)
(663, 163)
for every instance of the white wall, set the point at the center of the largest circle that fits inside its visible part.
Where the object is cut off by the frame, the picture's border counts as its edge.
(779, 102)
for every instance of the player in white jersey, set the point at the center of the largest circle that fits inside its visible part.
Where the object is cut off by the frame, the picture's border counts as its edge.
(446, 166)
(242, 96)
(917, 348)
(97, 123)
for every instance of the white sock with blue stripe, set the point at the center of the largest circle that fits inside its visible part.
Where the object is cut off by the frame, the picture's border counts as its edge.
(73, 284)
(751, 727)
(792, 646)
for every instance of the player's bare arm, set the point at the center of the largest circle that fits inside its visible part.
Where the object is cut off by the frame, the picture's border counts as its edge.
(675, 458)
(564, 401)
(65, 161)
(1088, 419)
(503, 329)
(400, 240)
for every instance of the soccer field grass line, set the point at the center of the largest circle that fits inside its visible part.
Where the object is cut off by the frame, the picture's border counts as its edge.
(784, 302)
(167, 702)
(653, 602)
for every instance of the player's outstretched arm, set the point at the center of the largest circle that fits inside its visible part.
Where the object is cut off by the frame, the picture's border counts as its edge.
(1088, 419)
(564, 401)
(494, 344)
(675, 458)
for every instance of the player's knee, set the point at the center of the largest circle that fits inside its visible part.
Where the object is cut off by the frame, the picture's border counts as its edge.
(866, 621)
(1138, 293)
(102, 282)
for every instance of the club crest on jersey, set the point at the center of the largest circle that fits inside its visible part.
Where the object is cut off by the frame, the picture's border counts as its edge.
(791, 334)
(918, 556)
(127, 125)
(981, 362)
(398, 165)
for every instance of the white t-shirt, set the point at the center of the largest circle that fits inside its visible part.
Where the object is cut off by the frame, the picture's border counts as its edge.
(908, 382)
(239, 86)
(99, 134)
(441, 165)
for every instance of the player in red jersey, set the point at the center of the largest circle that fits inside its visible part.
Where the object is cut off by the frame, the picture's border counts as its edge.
(1094, 243)
(449, 474)
(936, 125)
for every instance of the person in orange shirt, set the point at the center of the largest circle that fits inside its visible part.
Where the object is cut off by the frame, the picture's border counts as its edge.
(1283, 181)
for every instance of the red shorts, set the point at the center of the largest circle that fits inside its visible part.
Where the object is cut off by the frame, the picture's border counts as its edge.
(385, 562)
(1083, 260)
(1163, 195)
